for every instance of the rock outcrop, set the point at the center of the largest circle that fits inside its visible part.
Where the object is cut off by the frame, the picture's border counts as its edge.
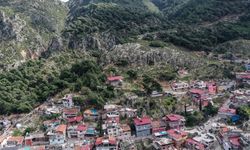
(135, 53)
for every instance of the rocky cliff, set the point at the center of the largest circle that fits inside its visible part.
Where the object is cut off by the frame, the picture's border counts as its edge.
(27, 28)
(137, 54)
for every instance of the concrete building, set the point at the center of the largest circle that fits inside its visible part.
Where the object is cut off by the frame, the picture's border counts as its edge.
(115, 80)
(68, 101)
(70, 112)
(58, 135)
(226, 112)
(178, 136)
(174, 121)
(194, 145)
(143, 126)
(91, 114)
(112, 126)
(36, 139)
(14, 142)
(106, 143)
(163, 144)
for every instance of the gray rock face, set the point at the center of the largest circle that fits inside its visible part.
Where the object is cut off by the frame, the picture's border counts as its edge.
(135, 53)
(101, 41)
(10, 28)
(27, 29)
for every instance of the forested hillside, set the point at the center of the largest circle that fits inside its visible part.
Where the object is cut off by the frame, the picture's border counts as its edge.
(193, 24)
(82, 37)
(204, 24)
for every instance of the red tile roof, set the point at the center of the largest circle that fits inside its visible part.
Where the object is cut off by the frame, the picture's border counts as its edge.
(81, 128)
(245, 76)
(224, 130)
(115, 78)
(227, 110)
(197, 144)
(61, 128)
(18, 139)
(75, 119)
(174, 117)
(197, 91)
(100, 140)
(70, 110)
(142, 121)
(87, 147)
(177, 134)
(235, 141)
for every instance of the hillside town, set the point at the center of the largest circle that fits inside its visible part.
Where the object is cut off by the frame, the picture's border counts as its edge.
(63, 124)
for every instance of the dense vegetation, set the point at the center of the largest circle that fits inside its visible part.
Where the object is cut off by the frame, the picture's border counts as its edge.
(121, 18)
(29, 85)
(194, 24)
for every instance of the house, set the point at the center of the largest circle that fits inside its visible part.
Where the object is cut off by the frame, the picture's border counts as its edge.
(50, 124)
(112, 114)
(164, 144)
(125, 132)
(76, 131)
(91, 114)
(16, 142)
(68, 101)
(51, 110)
(74, 120)
(58, 135)
(229, 139)
(42, 147)
(243, 77)
(143, 126)
(226, 86)
(178, 136)
(90, 133)
(111, 110)
(196, 94)
(193, 144)
(158, 126)
(226, 112)
(36, 139)
(84, 147)
(199, 85)
(239, 100)
(106, 143)
(70, 112)
(179, 86)
(128, 112)
(212, 87)
(112, 126)
(234, 143)
(160, 134)
(111, 107)
(156, 94)
(115, 80)
(175, 121)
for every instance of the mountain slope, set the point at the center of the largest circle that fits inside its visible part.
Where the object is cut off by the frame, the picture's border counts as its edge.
(193, 24)
(27, 28)
(204, 24)
(108, 22)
